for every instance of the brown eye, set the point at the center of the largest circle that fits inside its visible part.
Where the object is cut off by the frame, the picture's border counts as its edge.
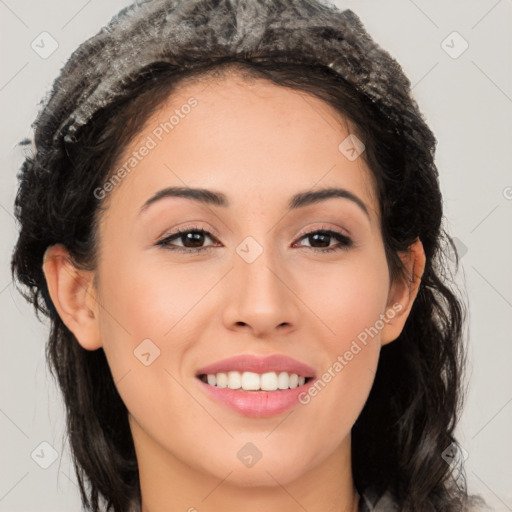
(192, 239)
(324, 237)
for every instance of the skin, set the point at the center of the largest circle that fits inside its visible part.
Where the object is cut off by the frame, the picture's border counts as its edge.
(259, 144)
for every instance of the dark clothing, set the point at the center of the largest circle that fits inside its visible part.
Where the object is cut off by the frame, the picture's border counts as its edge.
(370, 502)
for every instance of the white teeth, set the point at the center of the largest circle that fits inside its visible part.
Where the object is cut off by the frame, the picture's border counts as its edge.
(234, 380)
(251, 381)
(283, 380)
(269, 381)
(222, 380)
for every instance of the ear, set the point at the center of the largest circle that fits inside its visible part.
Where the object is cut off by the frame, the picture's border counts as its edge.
(403, 292)
(74, 296)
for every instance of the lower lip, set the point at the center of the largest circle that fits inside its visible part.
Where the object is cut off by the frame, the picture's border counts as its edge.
(257, 404)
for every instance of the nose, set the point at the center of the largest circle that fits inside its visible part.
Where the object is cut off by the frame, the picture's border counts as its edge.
(260, 297)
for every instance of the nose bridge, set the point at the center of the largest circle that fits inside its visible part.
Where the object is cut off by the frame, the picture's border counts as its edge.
(254, 266)
(258, 293)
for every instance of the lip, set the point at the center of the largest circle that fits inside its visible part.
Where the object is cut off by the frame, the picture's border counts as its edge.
(256, 404)
(258, 364)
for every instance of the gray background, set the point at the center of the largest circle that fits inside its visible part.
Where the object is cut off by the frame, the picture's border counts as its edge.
(467, 101)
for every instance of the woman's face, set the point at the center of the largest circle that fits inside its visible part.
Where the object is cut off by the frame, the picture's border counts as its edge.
(256, 284)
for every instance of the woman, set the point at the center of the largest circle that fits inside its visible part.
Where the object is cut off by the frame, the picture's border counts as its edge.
(211, 356)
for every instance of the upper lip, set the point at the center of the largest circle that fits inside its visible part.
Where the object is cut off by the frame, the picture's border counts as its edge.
(258, 364)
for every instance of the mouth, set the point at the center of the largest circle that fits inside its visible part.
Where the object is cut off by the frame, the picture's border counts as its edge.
(256, 386)
(252, 381)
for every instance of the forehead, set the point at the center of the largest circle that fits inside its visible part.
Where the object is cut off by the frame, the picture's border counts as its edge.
(251, 139)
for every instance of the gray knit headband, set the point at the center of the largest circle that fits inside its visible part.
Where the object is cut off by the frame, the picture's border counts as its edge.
(168, 31)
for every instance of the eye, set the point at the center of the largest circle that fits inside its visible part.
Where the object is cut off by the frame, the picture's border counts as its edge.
(324, 237)
(192, 238)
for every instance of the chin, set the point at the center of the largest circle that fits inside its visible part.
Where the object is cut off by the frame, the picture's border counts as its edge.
(268, 471)
(260, 475)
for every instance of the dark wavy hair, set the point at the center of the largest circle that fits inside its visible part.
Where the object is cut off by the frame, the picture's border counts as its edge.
(104, 94)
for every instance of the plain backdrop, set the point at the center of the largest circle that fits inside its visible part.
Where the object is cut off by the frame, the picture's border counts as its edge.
(457, 55)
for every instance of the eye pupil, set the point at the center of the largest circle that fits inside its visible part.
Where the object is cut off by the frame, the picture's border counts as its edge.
(321, 236)
(194, 237)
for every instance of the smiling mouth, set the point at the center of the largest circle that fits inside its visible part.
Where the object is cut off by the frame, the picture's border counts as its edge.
(251, 381)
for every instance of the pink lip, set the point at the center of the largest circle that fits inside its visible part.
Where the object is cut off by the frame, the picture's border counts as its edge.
(257, 404)
(250, 363)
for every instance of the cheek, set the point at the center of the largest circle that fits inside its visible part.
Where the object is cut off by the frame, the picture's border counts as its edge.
(349, 297)
(333, 403)
(352, 303)
(148, 297)
(146, 331)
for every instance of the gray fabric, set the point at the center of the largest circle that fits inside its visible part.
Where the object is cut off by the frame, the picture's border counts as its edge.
(161, 31)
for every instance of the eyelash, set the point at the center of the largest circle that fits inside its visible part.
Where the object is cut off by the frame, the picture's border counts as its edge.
(345, 241)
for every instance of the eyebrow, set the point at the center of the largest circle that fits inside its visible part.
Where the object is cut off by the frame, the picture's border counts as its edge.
(214, 198)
